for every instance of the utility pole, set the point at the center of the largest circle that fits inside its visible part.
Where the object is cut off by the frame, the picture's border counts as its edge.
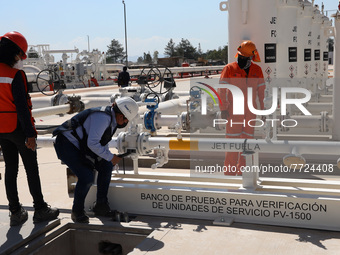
(126, 51)
(88, 43)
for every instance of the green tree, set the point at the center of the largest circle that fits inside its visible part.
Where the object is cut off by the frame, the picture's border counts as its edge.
(213, 54)
(169, 50)
(224, 54)
(147, 58)
(115, 52)
(219, 54)
(140, 60)
(185, 49)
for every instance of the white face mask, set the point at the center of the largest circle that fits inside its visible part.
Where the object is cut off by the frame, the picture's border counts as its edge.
(19, 64)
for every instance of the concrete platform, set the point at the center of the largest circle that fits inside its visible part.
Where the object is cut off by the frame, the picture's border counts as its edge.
(168, 235)
(150, 235)
(200, 237)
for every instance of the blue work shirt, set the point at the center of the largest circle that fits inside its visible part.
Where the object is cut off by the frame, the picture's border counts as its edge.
(95, 126)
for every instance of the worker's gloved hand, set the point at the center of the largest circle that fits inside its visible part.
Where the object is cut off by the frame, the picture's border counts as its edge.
(224, 115)
(115, 160)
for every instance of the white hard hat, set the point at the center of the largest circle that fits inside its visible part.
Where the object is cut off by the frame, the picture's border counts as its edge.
(128, 107)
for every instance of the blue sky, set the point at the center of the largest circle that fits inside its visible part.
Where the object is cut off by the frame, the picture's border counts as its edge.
(150, 23)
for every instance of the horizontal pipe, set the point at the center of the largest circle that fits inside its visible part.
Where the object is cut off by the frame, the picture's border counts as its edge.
(312, 121)
(53, 110)
(325, 98)
(230, 145)
(41, 102)
(99, 101)
(176, 70)
(167, 120)
(319, 107)
(263, 146)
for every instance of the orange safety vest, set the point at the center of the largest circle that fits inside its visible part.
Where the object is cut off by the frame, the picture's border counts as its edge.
(8, 112)
(233, 74)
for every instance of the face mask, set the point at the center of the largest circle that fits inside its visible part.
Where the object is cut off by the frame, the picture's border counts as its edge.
(19, 64)
(243, 62)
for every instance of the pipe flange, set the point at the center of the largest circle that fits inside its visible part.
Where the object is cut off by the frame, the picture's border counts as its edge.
(157, 116)
(185, 120)
(121, 142)
(143, 145)
(59, 99)
(150, 120)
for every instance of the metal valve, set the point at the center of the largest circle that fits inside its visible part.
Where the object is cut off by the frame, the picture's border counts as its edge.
(162, 158)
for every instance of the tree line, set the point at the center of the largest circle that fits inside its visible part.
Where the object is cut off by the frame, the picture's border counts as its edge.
(184, 49)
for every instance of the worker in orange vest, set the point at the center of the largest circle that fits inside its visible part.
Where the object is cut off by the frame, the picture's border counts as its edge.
(243, 73)
(17, 131)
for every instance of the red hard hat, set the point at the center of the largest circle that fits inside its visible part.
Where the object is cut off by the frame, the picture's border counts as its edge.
(18, 39)
(248, 49)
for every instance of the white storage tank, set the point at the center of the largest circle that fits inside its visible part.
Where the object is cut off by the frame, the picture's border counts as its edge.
(254, 20)
(316, 42)
(316, 82)
(336, 88)
(287, 39)
(305, 40)
(327, 32)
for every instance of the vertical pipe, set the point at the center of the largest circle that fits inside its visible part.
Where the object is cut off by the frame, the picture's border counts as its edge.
(325, 34)
(249, 176)
(135, 163)
(287, 40)
(336, 89)
(305, 41)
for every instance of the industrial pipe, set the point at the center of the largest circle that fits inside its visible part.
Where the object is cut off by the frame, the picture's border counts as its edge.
(53, 110)
(222, 145)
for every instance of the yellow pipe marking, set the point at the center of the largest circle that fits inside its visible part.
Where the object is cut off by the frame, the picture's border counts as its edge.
(183, 144)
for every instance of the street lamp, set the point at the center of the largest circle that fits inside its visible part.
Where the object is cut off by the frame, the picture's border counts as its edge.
(125, 34)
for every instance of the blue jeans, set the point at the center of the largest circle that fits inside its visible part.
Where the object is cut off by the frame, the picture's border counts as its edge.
(13, 144)
(73, 158)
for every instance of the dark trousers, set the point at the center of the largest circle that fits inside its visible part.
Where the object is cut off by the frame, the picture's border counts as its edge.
(73, 158)
(13, 144)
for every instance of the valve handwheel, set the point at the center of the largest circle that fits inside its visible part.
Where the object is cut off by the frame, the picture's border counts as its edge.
(48, 82)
